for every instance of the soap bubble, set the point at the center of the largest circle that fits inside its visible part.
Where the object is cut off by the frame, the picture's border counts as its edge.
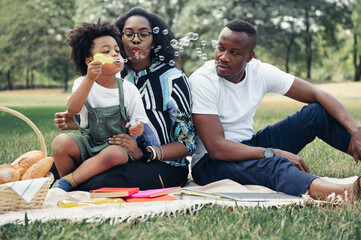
(161, 58)
(176, 53)
(172, 62)
(156, 30)
(157, 48)
(192, 36)
(199, 51)
(214, 43)
(137, 55)
(181, 49)
(174, 43)
(203, 43)
(165, 31)
(184, 41)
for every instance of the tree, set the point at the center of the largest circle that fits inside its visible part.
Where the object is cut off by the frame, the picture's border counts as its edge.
(32, 33)
(356, 30)
(58, 19)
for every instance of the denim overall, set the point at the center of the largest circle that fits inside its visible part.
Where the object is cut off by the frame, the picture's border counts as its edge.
(103, 122)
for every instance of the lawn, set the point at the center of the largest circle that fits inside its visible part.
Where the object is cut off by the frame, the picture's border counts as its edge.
(211, 222)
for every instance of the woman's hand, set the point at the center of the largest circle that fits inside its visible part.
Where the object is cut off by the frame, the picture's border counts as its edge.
(65, 121)
(128, 143)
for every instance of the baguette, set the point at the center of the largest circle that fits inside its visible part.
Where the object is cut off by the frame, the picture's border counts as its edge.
(26, 160)
(8, 173)
(39, 169)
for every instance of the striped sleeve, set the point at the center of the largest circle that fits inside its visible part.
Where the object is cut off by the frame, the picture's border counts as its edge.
(180, 105)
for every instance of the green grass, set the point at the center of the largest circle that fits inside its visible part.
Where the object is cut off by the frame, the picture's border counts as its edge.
(211, 222)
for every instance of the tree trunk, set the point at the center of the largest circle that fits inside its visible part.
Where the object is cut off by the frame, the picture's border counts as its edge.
(288, 52)
(358, 70)
(357, 66)
(66, 76)
(308, 42)
(32, 79)
(10, 85)
(27, 78)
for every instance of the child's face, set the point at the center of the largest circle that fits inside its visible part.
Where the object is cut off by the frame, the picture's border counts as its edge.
(107, 46)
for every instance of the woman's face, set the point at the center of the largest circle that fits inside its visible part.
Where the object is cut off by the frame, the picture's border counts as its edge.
(137, 44)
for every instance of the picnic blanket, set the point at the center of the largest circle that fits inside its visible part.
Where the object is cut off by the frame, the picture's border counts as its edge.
(119, 212)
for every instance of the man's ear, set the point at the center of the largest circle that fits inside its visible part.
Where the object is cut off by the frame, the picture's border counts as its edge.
(88, 60)
(250, 56)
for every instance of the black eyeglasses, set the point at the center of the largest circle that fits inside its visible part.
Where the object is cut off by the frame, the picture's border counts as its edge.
(143, 35)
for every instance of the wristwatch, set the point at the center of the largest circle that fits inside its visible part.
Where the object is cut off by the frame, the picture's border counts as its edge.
(269, 152)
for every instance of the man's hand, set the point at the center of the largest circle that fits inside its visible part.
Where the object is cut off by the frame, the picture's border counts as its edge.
(296, 160)
(128, 143)
(65, 121)
(355, 145)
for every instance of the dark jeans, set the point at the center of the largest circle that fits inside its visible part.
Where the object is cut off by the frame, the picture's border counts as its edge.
(155, 174)
(291, 134)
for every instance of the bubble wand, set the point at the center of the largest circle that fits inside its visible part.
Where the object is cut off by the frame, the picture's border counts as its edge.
(103, 59)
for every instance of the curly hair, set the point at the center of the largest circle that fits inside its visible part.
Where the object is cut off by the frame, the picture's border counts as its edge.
(81, 40)
(163, 40)
(243, 26)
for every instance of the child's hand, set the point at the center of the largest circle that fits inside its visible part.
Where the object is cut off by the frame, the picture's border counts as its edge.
(65, 121)
(94, 70)
(135, 130)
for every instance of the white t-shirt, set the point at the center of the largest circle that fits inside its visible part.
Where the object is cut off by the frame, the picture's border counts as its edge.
(100, 96)
(234, 103)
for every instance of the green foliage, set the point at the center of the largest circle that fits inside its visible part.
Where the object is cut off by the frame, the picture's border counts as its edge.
(33, 33)
(33, 36)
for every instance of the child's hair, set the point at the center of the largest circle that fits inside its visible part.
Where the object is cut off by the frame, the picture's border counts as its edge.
(81, 40)
(163, 40)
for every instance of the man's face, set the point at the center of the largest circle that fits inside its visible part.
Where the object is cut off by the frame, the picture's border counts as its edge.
(232, 55)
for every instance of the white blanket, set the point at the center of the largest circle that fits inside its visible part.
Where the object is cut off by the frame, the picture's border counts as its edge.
(118, 212)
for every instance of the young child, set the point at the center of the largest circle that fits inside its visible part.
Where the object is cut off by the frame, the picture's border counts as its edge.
(102, 104)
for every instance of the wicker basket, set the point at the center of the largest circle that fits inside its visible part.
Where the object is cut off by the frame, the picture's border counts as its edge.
(9, 199)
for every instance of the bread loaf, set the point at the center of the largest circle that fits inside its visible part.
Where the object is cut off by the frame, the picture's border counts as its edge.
(39, 169)
(8, 173)
(26, 160)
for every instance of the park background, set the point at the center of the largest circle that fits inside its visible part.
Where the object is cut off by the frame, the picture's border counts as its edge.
(315, 40)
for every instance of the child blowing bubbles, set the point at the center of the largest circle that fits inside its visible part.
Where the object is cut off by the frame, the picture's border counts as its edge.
(102, 104)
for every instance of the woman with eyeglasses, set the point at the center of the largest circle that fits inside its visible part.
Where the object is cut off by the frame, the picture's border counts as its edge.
(170, 135)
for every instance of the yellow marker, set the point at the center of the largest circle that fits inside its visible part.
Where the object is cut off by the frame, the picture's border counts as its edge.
(70, 204)
(103, 59)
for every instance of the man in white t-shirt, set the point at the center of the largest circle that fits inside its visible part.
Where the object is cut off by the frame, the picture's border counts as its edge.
(226, 93)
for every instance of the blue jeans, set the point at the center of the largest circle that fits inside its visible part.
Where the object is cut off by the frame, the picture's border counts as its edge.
(291, 134)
